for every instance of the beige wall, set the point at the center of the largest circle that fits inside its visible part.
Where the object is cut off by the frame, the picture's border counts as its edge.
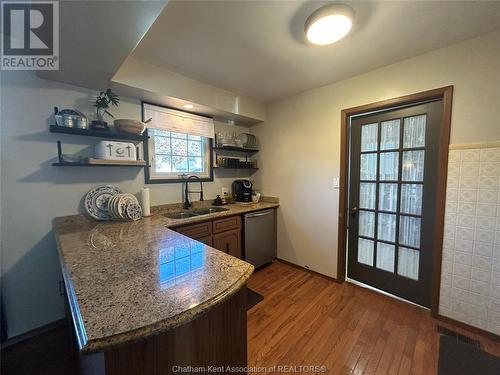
(300, 138)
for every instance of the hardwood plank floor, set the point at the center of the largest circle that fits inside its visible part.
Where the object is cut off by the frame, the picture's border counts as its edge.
(306, 319)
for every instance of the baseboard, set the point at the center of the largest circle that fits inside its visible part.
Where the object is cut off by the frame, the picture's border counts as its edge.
(308, 270)
(467, 327)
(33, 333)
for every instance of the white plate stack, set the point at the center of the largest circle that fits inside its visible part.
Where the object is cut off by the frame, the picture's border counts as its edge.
(125, 207)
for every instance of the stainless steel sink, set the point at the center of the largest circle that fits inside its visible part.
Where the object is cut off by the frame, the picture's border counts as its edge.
(199, 212)
(180, 215)
(210, 210)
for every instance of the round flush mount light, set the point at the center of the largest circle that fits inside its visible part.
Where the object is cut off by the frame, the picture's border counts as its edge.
(329, 24)
(188, 106)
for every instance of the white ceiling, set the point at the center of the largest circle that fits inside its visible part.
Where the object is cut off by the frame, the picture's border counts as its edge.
(257, 48)
(97, 36)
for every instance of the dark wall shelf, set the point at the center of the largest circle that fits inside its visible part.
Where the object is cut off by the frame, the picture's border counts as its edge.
(69, 164)
(235, 148)
(97, 133)
(248, 169)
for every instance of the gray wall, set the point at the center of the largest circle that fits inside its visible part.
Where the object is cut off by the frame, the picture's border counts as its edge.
(34, 192)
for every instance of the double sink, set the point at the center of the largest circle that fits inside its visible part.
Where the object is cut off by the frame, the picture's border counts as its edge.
(193, 213)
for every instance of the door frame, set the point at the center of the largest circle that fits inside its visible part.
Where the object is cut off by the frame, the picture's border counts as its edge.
(446, 95)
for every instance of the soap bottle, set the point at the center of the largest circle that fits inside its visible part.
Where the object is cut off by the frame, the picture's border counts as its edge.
(218, 201)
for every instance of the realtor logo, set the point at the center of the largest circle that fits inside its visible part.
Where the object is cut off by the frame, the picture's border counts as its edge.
(30, 35)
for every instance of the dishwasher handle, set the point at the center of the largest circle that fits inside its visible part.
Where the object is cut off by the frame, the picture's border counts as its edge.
(260, 213)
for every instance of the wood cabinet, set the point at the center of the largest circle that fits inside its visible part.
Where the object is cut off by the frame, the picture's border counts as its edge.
(229, 242)
(228, 223)
(207, 240)
(222, 234)
(217, 338)
(197, 231)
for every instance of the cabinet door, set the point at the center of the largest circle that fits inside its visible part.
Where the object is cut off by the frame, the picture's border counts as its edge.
(228, 223)
(197, 230)
(229, 242)
(207, 240)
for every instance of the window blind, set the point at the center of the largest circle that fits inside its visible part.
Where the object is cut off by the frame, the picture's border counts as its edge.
(177, 121)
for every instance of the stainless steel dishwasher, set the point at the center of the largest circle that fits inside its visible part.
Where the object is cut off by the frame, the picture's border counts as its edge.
(260, 237)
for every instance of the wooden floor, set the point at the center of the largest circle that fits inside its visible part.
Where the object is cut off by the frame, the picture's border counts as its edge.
(307, 320)
(304, 319)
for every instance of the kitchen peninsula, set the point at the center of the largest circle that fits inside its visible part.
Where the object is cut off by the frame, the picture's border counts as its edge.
(146, 298)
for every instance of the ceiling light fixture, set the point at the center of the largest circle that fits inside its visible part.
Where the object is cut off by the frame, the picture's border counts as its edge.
(329, 24)
(188, 106)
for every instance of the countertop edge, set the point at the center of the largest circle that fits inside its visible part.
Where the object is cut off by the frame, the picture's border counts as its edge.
(92, 346)
(72, 300)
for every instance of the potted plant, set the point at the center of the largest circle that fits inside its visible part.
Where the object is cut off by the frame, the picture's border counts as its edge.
(103, 102)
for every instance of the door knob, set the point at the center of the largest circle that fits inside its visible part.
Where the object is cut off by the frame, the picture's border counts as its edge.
(354, 211)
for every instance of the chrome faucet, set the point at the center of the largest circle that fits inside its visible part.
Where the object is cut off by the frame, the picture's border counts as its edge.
(188, 204)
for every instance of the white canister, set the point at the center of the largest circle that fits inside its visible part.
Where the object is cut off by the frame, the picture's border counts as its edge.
(112, 150)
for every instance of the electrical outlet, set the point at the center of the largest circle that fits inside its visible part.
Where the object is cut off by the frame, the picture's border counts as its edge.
(224, 191)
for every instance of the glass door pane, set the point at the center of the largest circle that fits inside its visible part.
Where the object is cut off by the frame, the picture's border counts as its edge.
(365, 251)
(385, 256)
(369, 137)
(411, 198)
(389, 166)
(413, 166)
(409, 231)
(389, 134)
(386, 227)
(366, 223)
(408, 260)
(368, 168)
(367, 195)
(414, 131)
(388, 197)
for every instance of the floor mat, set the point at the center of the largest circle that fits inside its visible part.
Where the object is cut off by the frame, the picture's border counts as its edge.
(459, 358)
(253, 298)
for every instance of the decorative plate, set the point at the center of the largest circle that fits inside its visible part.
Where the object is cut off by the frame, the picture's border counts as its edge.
(113, 206)
(123, 202)
(110, 206)
(116, 205)
(134, 211)
(96, 201)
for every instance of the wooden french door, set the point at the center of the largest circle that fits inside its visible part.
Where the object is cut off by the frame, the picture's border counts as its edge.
(392, 195)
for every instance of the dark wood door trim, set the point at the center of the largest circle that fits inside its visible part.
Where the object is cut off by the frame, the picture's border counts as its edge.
(446, 95)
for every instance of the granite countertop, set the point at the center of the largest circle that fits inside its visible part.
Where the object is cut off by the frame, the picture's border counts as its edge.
(129, 280)
(232, 209)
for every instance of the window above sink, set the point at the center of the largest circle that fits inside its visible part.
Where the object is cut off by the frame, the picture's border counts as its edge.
(179, 144)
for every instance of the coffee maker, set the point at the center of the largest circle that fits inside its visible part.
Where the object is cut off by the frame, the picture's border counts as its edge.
(242, 190)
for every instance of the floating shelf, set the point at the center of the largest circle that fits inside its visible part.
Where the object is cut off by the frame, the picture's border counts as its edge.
(236, 148)
(244, 168)
(97, 133)
(108, 164)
